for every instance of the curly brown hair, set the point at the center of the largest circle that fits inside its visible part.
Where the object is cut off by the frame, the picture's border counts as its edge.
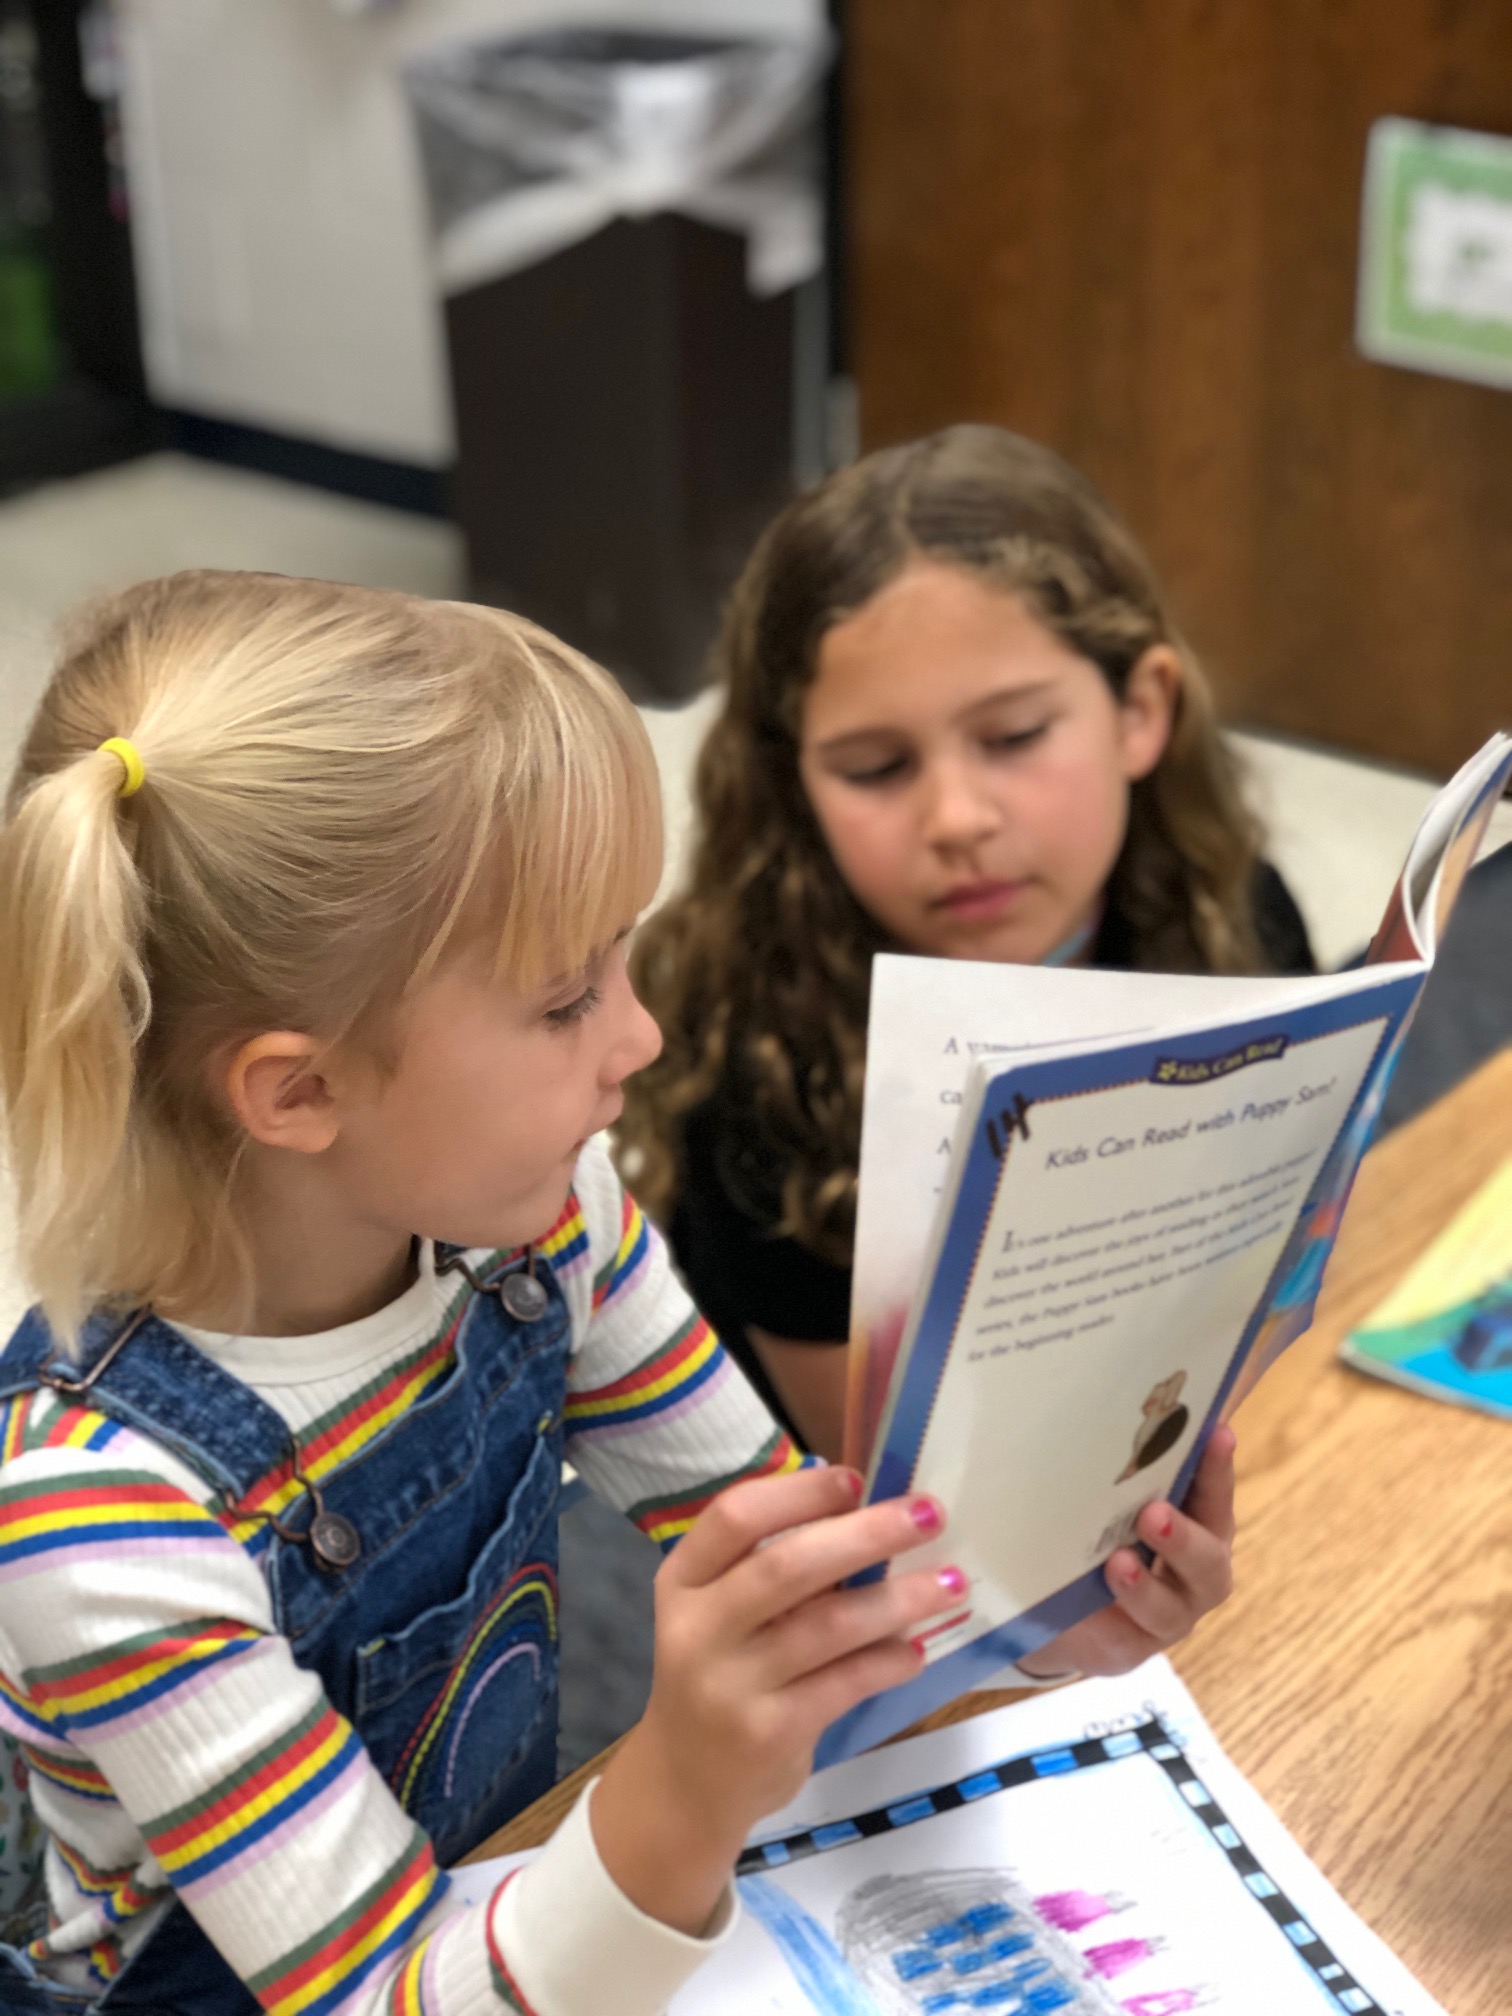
(759, 972)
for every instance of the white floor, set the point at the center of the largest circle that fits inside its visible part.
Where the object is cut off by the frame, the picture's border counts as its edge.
(69, 541)
(1339, 828)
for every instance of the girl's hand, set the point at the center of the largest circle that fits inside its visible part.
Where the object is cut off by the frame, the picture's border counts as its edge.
(1154, 1607)
(758, 1649)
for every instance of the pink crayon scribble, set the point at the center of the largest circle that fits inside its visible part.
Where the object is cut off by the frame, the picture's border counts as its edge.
(1173, 2003)
(1119, 1955)
(1074, 1910)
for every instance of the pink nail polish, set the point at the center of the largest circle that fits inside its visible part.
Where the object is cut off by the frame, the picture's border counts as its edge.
(952, 1581)
(853, 1481)
(926, 1515)
(1132, 1574)
(1163, 1526)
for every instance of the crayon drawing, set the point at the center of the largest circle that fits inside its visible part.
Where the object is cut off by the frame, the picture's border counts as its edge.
(1099, 1878)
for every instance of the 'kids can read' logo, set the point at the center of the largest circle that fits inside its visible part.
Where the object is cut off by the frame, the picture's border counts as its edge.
(1202, 1070)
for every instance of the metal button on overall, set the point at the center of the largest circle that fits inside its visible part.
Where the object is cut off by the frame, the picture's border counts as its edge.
(334, 1540)
(523, 1296)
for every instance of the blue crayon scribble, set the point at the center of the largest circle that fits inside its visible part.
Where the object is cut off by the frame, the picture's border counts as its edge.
(816, 1962)
(914, 1961)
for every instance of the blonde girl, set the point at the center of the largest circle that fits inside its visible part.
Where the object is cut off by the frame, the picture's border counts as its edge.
(957, 720)
(312, 915)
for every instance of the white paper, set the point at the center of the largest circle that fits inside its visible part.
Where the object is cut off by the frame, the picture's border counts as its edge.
(1122, 1877)
(1121, 1835)
(477, 1882)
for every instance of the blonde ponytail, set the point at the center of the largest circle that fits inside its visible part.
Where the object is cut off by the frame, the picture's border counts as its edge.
(72, 1011)
(339, 784)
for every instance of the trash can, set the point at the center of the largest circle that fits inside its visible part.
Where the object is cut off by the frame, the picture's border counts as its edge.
(628, 234)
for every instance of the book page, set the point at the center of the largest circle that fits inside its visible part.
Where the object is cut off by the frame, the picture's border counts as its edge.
(1102, 1268)
(1447, 842)
(930, 1021)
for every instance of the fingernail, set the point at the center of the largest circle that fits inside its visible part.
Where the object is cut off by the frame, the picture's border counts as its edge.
(1132, 1573)
(853, 1481)
(926, 1515)
(919, 1646)
(952, 1581)
(1163, 1524)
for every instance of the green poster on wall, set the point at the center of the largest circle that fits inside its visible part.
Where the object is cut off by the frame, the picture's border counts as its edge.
(1435, 288)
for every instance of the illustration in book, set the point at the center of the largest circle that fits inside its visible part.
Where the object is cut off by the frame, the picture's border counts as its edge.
(1165, 1421)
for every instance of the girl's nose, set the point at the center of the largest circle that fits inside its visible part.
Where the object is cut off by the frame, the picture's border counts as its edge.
(639, 1042)
(959, 809)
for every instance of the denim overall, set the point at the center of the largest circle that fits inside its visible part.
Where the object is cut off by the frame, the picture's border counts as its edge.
(438, 1642)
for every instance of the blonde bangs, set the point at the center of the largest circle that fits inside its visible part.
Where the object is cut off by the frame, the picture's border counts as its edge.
(579, 822)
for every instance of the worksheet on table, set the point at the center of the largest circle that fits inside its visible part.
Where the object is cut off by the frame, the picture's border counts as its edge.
(1091, 1852)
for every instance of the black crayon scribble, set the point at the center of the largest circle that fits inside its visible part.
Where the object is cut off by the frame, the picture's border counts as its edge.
(1009, 1120)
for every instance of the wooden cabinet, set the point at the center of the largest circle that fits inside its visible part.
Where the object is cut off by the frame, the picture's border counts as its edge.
(1130, 228)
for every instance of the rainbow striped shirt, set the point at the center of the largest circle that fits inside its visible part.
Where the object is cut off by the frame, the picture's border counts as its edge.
(173, 1743)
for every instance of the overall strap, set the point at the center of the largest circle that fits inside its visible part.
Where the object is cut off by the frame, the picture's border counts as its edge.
(141, 1371)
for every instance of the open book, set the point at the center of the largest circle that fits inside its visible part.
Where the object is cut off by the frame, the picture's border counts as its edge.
(1093, 1208)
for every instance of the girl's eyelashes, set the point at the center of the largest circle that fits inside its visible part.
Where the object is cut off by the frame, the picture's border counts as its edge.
(888, 770)
(878, 773)
(1021, 738)
(583, 1005)
(574, 1011)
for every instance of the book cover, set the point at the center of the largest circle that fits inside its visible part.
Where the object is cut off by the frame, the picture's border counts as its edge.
(1446, 1330)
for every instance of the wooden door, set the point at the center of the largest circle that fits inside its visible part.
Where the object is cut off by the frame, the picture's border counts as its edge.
(1130, 228)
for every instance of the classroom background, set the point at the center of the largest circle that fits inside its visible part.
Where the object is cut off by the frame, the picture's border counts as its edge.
(553, 304)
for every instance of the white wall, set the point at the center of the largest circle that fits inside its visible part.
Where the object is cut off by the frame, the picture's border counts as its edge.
(278, 218)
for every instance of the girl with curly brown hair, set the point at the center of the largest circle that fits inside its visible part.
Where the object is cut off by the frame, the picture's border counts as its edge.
(958, 721)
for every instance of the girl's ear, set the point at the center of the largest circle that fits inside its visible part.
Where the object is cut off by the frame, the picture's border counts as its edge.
(279, 1095)
(1148, 709)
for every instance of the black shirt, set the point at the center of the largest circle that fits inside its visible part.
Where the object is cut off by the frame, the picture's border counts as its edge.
(742, 1273)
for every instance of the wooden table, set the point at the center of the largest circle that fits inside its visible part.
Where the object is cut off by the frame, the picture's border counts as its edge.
(1361, 1677)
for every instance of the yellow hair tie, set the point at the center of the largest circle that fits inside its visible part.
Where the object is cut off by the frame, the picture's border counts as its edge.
(131, 762)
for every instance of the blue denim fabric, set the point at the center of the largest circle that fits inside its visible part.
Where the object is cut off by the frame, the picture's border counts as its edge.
(24, 1993)
(439, 1643)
